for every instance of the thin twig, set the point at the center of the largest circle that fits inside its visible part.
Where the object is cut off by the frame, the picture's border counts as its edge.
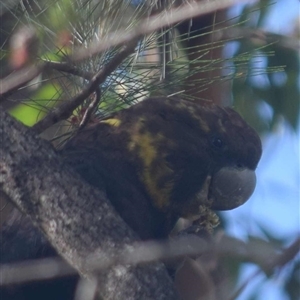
(86, 289)
(21, 77)
(18, 79)
(138, 253)
(68, 68)
(66, 109)
(34, 270)
(282, 259)
(287, 255)
(153, 23)
(90, 109)
(258, 36)
(242, 287)
(141, 253)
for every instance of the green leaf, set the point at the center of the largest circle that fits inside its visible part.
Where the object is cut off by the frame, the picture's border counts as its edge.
(32, 111)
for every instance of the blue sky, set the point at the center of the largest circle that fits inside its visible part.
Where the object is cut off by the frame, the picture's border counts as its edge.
(275, 202)
(274, 206)
(277, 190)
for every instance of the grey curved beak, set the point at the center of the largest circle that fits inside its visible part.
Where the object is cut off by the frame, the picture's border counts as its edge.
(231, 187)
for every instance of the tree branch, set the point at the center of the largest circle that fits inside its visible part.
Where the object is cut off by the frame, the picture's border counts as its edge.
(66, 109)
(152, 251)
(153, 23)
(77, 219)
(18, 79)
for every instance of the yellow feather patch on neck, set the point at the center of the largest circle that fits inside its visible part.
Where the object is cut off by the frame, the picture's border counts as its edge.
(112, 122)
(155, 168)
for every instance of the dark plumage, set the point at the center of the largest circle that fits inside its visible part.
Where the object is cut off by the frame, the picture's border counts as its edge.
(159, 160)
(154, 158)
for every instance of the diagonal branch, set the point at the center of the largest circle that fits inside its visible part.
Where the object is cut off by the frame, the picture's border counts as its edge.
(18, 79)
(66, 109)
(77, 219)
(153, 23)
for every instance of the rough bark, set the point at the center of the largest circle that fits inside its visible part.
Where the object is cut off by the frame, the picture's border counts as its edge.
(77, 219)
